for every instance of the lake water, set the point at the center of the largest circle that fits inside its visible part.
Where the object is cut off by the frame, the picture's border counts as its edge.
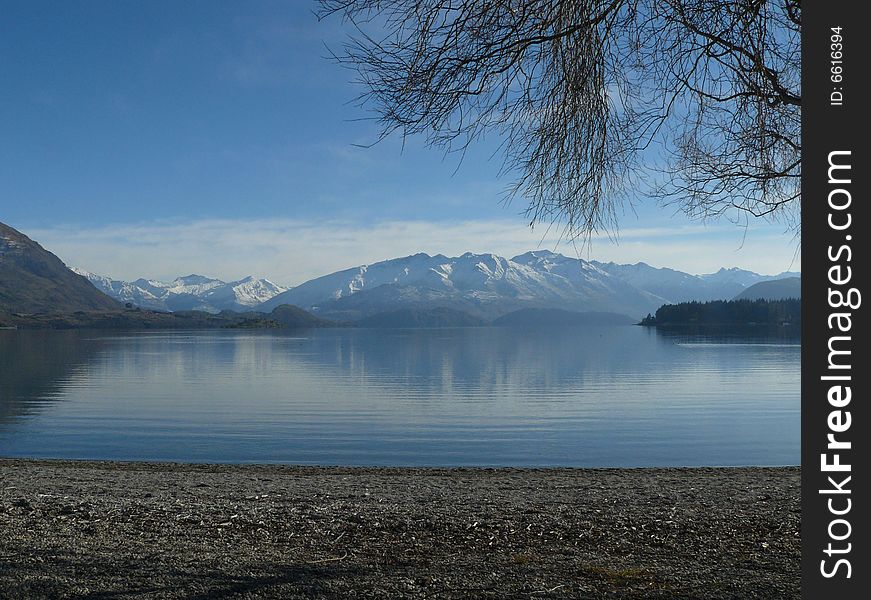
(610, 396)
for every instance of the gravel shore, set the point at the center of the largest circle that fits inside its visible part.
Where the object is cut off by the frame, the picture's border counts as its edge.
(142, 530)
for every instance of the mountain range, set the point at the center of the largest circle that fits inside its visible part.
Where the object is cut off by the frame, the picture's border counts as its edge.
(483, 286)
(488, 286)
(191, 292)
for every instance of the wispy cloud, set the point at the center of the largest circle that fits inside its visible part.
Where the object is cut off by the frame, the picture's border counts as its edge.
(290, 251)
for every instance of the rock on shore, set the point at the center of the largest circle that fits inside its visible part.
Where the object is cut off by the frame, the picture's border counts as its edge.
(145, 530)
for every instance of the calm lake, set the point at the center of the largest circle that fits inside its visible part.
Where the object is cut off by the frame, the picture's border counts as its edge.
(609, 396)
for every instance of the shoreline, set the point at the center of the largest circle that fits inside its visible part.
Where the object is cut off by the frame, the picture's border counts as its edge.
(173, 464)
(202, 530)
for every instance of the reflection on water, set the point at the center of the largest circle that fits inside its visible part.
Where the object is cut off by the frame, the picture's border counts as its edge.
(615, 396)
(35, 366)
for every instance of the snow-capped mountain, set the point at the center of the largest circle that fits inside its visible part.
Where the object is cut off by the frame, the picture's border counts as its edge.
(485, 285)
(192, 292)
(122, 290)
(248, 292)
(195, 285)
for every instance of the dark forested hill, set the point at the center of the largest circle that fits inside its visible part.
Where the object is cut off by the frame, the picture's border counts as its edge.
(728, 312)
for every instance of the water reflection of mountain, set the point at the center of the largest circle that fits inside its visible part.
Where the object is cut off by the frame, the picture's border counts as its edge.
(482, 358)
(572, 396)
(426, 360)
(36, 365)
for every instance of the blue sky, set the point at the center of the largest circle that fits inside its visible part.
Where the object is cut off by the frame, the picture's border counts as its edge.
(161, 138)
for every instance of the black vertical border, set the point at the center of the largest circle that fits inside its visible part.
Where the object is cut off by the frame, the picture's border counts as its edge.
(827, 128)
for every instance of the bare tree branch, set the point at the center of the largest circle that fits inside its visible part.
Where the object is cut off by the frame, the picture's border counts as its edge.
(582, 91)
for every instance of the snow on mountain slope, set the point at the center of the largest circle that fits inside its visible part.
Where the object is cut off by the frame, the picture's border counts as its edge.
(247, 292)
(195, 285)
(487, 284)
(419, 269)
(674, 286)
(192, 292)
(124, 291)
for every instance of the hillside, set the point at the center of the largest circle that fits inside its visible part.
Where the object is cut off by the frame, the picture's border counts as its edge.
(33, 280)
(780, 289)
(294, 317)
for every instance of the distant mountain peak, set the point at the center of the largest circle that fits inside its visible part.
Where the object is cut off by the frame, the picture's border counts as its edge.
(190, 292)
